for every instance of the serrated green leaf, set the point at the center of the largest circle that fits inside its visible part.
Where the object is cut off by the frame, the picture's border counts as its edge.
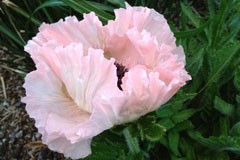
(221, 143)
(183, 115)
(146, 120)
(106, 146)
(218, 23)
(154, 132)
(167, 123)
(174, 105)
(183, 126)
(218, 62)
(196, 62)
(235, 28)
(221, 58)
(223, 107)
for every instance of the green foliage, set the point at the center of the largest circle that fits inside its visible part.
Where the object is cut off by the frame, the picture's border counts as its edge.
(201, 122)
(220, 143)
(223, 107)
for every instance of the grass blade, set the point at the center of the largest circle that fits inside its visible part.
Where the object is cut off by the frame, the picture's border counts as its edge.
(5, 30)
(23, 13)
(85, 7)
(188, 12)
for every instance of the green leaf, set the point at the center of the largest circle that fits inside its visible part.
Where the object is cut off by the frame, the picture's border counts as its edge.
(235, 28)
(237, 79)
(174, 105)
(219, 21)
(154, 132)
(146, 120)
(132, 143)
(235, 130)
(133, 130)
(218, 61)
(167, 123)
(49, 3)
(195, 62)
(187, 149)
(119, 3)
(183, 126)
(183, 115)
(224, 125)
(221, 58)
(188, 12)
(25, 14)
(221, 143)
(107, 146)
(191, 32)
(223, 107)
(211, 8)
(173, 140)
(101, 6)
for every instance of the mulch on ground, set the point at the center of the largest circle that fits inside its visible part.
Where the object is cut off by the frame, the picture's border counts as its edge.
(19, 139)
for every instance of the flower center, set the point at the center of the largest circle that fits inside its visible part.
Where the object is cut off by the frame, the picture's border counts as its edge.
(121, 70)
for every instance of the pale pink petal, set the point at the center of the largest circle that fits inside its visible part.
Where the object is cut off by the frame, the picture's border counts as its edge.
(180, 54)
(133, 48)
(45, 98)
(121, 48)
(148, 19)
(146, 92)
(72, 97)
(74, 150)
(68, 31)
(104, 113)
(136, 26)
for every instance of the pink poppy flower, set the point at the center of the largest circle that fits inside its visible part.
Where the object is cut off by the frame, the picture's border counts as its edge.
(90, 77)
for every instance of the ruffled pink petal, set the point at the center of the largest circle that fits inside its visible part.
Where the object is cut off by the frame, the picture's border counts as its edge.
(143, 18)
(136, 30)
(134, 48)
(46, 98)
(146, 91)
(74, 150)
(104, 113)
(92, 73)
(124, 52)
(72, 97)
(67, 31)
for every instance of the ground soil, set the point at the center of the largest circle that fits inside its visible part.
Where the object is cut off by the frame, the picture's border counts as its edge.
(19, 139)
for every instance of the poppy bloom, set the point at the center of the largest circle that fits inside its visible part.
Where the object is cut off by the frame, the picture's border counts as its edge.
(90, 77)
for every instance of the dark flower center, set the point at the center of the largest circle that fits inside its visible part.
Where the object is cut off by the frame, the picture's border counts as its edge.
(121, 70)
